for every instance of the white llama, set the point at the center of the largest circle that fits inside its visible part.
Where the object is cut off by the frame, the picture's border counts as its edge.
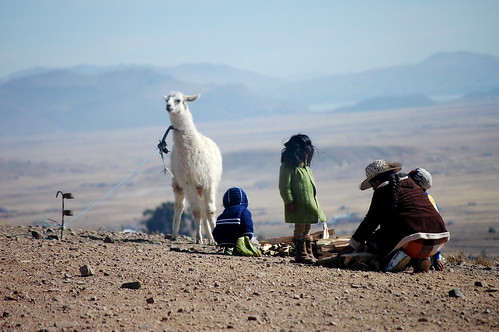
(196, 164)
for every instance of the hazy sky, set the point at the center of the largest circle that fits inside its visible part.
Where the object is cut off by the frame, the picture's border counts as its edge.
(272, 37)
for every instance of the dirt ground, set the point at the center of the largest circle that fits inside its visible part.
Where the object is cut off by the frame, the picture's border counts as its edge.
(190, 287)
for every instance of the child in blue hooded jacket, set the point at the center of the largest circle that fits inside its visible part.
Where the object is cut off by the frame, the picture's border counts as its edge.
(235, 221)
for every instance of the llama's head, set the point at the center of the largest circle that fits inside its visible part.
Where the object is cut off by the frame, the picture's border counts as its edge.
(176, 102)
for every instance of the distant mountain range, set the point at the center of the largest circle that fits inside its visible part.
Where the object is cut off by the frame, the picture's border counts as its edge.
(442, 74)
(84, 98)
(387, 103)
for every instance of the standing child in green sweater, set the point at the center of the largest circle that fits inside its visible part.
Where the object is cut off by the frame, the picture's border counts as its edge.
(299, 194)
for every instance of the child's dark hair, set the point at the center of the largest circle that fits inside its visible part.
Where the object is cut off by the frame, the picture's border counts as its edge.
(394, 183)
(297, 150)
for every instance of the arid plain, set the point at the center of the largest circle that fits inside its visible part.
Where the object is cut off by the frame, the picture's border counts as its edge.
(458, 143)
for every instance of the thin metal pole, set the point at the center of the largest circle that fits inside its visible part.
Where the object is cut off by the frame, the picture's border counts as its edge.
(62, 218)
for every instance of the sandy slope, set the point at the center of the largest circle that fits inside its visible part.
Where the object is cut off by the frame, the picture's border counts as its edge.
(193, 288)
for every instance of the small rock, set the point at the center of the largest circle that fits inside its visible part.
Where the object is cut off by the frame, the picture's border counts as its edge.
(492, 290)
(53, 237)
(131, 285)
(423, 319)
(86, 271)
(456, 292)
(480, 284)
(150, 300)
(108, 239)
(36, 235)
(253, 318)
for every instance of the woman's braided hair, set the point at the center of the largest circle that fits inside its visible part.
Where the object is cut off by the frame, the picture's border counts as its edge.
(393, 182)
(297, 150)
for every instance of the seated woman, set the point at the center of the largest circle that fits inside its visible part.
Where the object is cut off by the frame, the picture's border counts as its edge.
(409, 225)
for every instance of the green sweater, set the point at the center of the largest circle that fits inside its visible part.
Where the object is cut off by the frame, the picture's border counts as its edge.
(297, 186)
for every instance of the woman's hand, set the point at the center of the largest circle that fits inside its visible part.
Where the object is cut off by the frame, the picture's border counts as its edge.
(290, 207)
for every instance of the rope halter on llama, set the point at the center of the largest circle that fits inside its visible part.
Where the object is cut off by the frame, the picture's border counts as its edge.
(162, 146)
(163, 149)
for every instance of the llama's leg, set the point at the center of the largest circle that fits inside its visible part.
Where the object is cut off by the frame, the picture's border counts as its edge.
(210, 217)
(196, 213)
(208, 229)
(179, 208)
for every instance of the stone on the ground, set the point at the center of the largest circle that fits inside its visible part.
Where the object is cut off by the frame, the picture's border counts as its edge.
(456, 292)
(36, 235)
(86, 271)
(131, 285)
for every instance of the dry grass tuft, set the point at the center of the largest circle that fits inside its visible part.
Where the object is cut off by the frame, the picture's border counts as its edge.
(486, 261)
(462, 257)
(456, 258)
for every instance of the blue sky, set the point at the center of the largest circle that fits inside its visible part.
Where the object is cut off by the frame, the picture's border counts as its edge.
(277, 38)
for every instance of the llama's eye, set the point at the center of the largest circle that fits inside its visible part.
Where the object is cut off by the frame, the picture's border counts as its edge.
(177, 101)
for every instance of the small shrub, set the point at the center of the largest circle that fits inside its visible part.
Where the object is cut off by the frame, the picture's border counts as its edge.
(456, 257)
(484, 261)
(161, 220)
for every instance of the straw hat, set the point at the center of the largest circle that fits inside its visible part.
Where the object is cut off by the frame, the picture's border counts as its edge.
(377, 167)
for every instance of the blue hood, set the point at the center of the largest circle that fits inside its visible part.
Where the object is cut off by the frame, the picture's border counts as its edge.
(235, 196)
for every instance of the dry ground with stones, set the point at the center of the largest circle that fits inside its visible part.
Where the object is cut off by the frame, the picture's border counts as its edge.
(192, 287)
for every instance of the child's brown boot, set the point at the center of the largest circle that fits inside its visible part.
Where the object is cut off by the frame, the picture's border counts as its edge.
(301, 255)
(309, 240)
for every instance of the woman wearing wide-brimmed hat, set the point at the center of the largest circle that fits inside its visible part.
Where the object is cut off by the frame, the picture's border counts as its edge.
(409, 225)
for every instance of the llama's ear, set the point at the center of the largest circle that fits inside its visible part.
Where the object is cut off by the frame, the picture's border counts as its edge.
(192, 98)
(165, 97)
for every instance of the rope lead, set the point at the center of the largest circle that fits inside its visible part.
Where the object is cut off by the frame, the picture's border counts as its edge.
(142, 163)
(163, 150)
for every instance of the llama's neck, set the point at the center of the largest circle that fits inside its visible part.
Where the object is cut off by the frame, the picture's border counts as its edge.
(184, 125)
